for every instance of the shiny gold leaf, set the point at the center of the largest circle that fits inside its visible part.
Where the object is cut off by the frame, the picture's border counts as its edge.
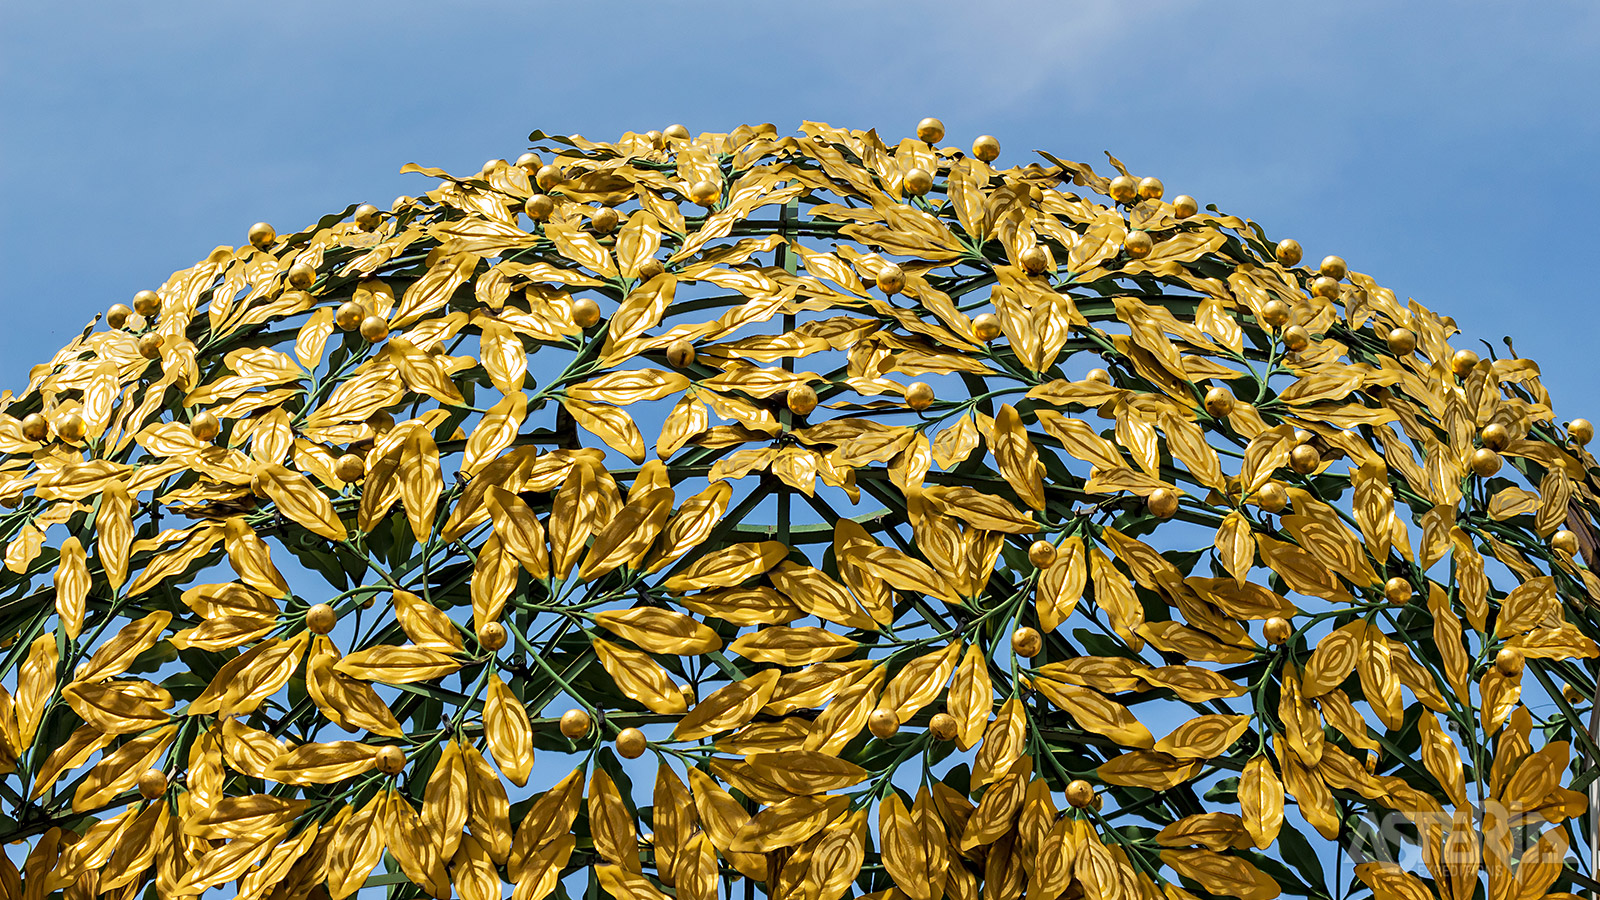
(397, 665)
(71, 586)
(728, 707)
(660, 630)
(1261, 801)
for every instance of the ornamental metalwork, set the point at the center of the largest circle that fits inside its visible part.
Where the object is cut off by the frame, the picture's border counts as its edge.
(800, 515)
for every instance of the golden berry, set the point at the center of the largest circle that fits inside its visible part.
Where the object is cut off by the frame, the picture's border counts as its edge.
(1079, 793)
(680, 353)
(374, 328)
(891, 279)
(704, 193)
(1325, 287)
(575, 723)
(1287, 252)
(152, 783)
(1035, 260)
(147, 303)
(1042, 554)
(321, 618)
(585, 312)
(883, 723)
(1485, 462)
(261, 235)
(350, 468)
(1564, 541)
(1495, 436)
(391, 760)
(1219, 403)
(539, 207)
(1275, 313)
(205, 426)
(1272, 497)
(1027, 642)
(1580, 431)
(1162, 503)
(1276, 630)
(1304, 459)
(71, 428)
(35, 427)
(492, 636)
(301, 276)
(919, 395)
(1295, 339)
(349, 315)
(802, 400)
(631, 743)
(1138, 244)
(1397, 591)
(1509, 661)
(604, 220)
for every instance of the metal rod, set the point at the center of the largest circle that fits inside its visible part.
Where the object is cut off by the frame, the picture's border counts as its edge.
(1594, 793)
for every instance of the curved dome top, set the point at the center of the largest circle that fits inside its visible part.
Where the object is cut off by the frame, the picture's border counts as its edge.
(847, 516)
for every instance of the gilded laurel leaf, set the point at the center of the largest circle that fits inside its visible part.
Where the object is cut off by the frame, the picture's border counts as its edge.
(1213, 831)
(71, 585)
(397, 665)
(1236, 546)
(1221, 874)
(641, 678)
(660, 630)
(1261, 801)
(1097, 714)
(1203, 737)
(508, 732)
(1016, 457)
(728, 707)
(1334, 659)
(919, 682)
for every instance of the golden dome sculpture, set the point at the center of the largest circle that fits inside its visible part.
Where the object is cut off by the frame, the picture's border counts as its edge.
(839, 516)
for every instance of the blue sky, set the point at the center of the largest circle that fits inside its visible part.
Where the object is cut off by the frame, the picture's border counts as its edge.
(1447, 149)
